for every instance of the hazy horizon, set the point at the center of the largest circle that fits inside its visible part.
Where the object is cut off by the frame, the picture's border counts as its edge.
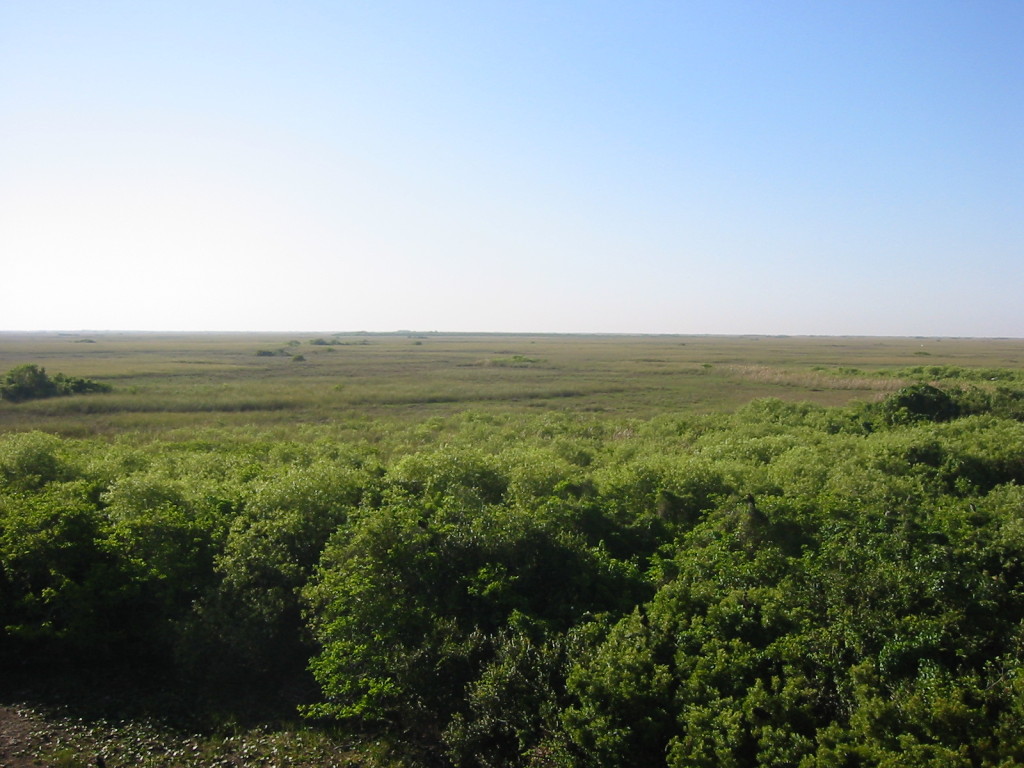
(724, 168)
(422, 333)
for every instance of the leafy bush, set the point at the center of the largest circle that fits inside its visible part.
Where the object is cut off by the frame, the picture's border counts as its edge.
(30, 382)
(74, 385)
(31, 460)
(918, 402)
(408, 605)
(26, 382)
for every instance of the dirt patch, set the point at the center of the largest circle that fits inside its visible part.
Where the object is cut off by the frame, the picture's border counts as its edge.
(23, 737)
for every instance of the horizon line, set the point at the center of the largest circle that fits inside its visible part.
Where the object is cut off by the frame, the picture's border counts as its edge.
(406, 332)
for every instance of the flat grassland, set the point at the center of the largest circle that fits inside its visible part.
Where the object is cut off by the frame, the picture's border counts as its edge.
(168, 383)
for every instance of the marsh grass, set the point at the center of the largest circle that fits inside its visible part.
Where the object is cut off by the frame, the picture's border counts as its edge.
(818, 381)
(167, 382)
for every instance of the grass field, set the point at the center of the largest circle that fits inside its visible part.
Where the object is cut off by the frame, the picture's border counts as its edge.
(165, 382)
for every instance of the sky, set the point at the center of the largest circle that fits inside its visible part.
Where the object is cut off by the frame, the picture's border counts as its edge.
(824, 167)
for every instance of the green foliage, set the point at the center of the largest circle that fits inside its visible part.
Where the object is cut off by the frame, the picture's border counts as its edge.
(251, 618)
(958, 373)
(869, 641)
(512, 708)
(786, 584)
(26, 382)
(916, 403)
(30, 382)
(74, 385)
(407, 603)
(31, 460)
(59, 579)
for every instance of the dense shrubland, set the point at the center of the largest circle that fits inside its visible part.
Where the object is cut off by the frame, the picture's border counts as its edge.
(784, 585)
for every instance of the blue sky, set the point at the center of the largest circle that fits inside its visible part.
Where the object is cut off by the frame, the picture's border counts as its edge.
(649, 167)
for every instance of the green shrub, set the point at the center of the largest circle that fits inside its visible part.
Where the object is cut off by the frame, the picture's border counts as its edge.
(30, 460)
(26, 382)
(30, 382)
(919, 402)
